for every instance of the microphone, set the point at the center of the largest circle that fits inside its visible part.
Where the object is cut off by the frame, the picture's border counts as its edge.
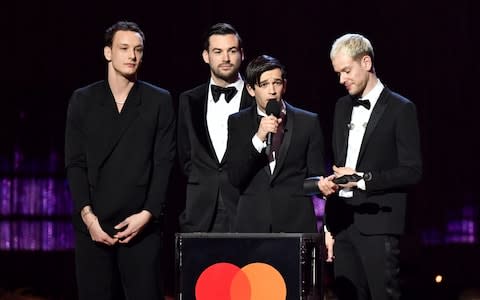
(273, 108)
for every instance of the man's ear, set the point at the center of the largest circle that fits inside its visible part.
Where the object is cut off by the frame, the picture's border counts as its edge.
(206, 59)
(367, 62)
(250, 90)
(107, 52)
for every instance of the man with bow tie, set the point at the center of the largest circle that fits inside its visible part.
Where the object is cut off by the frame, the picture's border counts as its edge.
(211, 200)
(376, 139)
(271, 177)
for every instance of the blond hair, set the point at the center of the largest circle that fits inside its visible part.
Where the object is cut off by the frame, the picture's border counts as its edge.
(354, 45)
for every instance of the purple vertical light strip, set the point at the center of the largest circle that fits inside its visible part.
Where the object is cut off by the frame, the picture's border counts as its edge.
(48, 236)
(14, 240)
(14, 197)
(319, 207)
(5, 232)
(460, 231)
(37, 197)
(35, 240)
(5, 196)
(66, 238)
(48, 198)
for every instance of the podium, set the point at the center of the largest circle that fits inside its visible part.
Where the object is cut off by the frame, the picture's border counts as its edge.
(248, 266)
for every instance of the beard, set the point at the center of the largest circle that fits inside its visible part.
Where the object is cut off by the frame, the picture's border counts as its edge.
(228, 76)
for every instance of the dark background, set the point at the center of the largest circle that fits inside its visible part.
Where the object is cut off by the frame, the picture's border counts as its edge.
(425, 50)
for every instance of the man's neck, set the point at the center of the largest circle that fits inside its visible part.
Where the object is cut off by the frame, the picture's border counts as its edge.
(224, 82)
(372, 81)
(120, 85)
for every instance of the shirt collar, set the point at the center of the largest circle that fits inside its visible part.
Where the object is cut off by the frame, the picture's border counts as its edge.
(237, 84)
(374, 94)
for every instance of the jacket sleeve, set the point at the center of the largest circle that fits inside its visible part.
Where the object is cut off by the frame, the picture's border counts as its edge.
(163, 158)
(409, 163)
(315, 158)
(183, 138)
(244, 161)
(75, 153)
(316, 150)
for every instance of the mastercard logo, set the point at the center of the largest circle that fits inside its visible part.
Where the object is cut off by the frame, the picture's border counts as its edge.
(226, 281)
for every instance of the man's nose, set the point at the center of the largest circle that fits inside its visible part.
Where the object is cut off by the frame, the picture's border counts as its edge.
(226, 57)
(272, 88)
(132, 55)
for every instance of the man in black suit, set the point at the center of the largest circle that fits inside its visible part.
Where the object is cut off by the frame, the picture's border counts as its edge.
(119, 150)
(271, 178)
(211, 200)
(376, 137)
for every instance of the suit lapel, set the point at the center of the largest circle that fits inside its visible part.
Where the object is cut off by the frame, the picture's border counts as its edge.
(245, 102)
(375, 117)
(120, 122)
(198, 111)
(287, 137)
(343, 133)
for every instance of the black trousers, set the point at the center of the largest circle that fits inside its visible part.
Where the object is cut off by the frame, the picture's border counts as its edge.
(130, 271)
(366, 266)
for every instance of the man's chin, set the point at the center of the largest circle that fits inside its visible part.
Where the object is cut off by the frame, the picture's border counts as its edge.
(231, 76)
(352, 93)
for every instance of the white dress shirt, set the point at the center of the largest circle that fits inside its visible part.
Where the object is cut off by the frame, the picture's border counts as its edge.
(217, 116)
(358, 124)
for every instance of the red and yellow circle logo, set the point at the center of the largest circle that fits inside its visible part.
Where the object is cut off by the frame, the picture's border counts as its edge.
(255, 281)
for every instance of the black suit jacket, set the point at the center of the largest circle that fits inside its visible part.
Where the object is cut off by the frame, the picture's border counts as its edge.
(119, 163)
(275, 202)
(390, 150)
(207, 177)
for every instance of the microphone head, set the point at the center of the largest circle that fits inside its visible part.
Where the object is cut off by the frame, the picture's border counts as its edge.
(273, 108)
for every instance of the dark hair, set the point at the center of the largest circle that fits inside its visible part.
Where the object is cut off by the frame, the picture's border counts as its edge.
(221, 29)
(261, 64)
(121, 26)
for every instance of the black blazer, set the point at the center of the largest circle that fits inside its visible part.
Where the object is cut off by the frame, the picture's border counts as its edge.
(206, 175)
(275, 202)
(390, 150)
(119, 163)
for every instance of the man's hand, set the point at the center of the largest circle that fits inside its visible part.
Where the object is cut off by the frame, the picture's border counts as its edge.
(340, 171)
(329, 242)
(327, 186)
(132, 226)
(267, 124)
(96, 232)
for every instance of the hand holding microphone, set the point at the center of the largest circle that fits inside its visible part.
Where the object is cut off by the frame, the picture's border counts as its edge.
(273, 108)
(268, 125)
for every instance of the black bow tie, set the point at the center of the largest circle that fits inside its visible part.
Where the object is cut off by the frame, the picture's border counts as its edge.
(228, 91)
(365, 103)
